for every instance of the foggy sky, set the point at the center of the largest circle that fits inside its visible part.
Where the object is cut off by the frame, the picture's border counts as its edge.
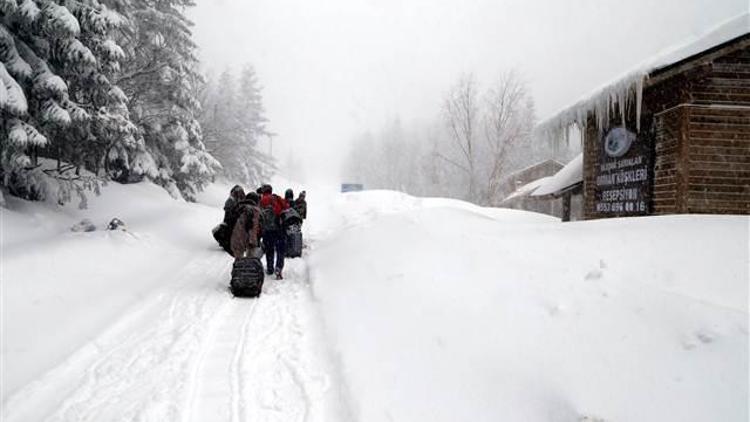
(332, 69)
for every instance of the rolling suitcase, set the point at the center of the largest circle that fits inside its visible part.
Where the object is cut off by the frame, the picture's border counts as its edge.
(294, 241)
(247, 277)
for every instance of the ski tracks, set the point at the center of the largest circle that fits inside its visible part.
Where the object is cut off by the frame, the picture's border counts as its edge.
(195, 353)
(141, 367)
(266, 363)
(143, 373)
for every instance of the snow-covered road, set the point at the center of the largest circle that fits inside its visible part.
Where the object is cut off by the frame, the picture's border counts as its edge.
(183, 349)
(195, 353)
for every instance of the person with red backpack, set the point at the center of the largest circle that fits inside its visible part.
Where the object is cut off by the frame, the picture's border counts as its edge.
(274, 239)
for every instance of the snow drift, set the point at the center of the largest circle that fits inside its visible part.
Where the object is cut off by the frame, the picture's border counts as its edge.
(443, 311)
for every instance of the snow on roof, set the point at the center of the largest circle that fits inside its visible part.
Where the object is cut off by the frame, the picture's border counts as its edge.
(568, 176)
(532, 166)
(626, 90)
(527, 189)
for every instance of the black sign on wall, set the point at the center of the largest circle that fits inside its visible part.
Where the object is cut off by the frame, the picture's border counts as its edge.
(621, 186)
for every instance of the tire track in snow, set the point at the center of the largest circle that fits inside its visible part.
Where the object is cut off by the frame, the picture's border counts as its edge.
(195, 381)
(140, 368)
(159, 362)
(264, 365)
(288, 383)
(234, 368)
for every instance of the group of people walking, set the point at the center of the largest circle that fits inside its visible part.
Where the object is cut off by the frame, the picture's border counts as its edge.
(256, 223)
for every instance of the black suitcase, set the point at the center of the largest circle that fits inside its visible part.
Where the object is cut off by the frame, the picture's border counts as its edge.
(294, 241)
(247, 277)
(223, 234)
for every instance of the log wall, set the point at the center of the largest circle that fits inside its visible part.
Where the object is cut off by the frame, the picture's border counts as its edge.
(697, 117)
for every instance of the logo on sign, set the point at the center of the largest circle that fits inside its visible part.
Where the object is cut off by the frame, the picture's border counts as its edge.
(618, 141)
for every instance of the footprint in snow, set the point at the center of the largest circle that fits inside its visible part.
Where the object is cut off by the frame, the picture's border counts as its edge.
(697, 338)
(705, 336)
(554, 309)
(590, 418)
(596, 273)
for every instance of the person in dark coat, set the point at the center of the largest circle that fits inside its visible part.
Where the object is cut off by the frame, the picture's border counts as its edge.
(223, 232)
(274, 238)
(300, 204)
(289, 197)
(246, 232)
(236, 195)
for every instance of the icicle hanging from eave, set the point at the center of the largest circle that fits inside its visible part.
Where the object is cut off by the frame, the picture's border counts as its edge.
(639, 101)
(601, 107)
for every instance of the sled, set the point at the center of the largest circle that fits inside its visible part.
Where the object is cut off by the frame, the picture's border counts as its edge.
(294, 241)
(247, 277)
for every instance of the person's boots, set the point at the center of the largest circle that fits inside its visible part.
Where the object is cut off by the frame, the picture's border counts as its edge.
(278, 275)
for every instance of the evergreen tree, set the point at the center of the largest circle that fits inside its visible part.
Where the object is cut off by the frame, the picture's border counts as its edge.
(60, 66)
(104, 85)
(235, 122)
(161, 82)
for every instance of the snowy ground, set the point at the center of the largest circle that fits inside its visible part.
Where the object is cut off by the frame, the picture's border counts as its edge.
(139, 325)
(403, 309)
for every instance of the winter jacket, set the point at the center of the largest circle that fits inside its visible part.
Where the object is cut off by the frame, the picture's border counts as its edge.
(272, 222)
(278, 203)
(301, 206)
(247, 230)
(230, 212)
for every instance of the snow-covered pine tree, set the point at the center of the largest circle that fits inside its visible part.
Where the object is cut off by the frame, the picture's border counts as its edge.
(107, 134)
(41, 47)
(16, 135)
(70, 72)
(161, 82)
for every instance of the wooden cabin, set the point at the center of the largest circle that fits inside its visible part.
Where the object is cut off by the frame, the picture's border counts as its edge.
(517, 187)
(674, 136)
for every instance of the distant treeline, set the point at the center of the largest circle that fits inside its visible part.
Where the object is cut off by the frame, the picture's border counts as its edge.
(479, 138)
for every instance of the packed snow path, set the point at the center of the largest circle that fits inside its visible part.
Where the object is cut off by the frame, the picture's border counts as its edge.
(191, 353)
(194, 353)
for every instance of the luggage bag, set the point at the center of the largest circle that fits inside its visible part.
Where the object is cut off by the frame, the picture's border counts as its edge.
(294, 241)
(247, 277)
(222, 234)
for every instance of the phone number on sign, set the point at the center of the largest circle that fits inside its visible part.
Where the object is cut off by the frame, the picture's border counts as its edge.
(639, 206)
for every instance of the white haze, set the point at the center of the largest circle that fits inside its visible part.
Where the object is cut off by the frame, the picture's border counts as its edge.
(332, 69)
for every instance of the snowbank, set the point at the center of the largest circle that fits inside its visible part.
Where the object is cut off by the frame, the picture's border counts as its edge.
(441, 313)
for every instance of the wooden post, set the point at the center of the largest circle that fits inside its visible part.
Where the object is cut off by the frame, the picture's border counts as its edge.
(566, 206)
